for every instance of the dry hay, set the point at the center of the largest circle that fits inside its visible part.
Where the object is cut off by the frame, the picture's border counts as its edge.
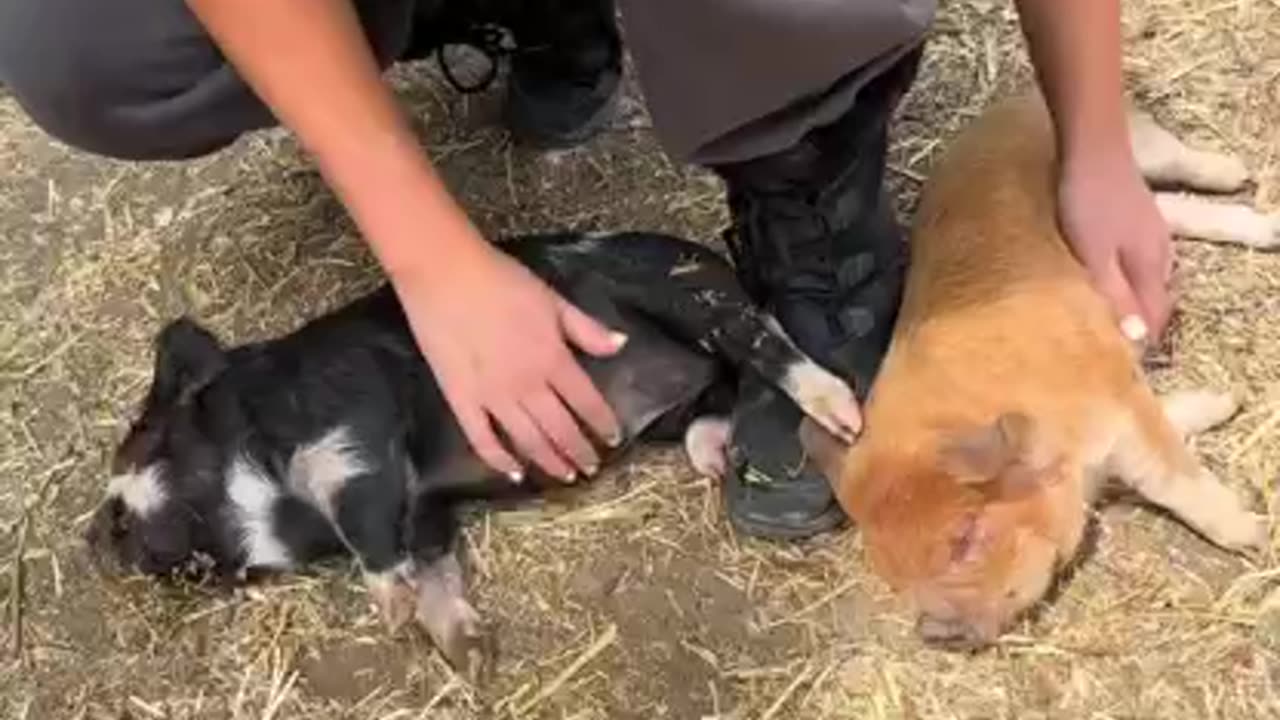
(633, 600)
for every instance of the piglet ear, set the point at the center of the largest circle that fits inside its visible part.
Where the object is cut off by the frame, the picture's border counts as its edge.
(975, 456)
(188, 357)
(1009, 454)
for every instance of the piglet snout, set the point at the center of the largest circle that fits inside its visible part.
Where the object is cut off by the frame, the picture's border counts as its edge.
(951, 633)
(102, 539)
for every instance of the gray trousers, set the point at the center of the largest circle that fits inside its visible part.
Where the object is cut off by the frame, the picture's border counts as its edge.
(724, 80)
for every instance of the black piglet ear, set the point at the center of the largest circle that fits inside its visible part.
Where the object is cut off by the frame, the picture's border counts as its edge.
(188, 357)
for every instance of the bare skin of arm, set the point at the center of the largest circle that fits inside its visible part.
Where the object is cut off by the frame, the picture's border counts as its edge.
(473, 310)
(1107, 213)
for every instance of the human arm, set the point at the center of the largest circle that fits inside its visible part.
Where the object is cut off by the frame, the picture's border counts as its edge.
(494, 335)
(1107, 213)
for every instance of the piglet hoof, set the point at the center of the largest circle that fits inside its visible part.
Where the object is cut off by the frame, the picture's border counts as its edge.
(705, 442)
(825, 398)
(1272, 240)
(1246, 536)
(454, 626)
(471, 655)
(1214, 172)
(1253, 229)
(1196, 411)
(462, 639)
(394, 598)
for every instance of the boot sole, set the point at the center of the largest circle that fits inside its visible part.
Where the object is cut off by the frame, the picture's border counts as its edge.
(830, 520)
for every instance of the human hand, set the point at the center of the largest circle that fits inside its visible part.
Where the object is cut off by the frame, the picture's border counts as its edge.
(1111, 222)
(496, 338)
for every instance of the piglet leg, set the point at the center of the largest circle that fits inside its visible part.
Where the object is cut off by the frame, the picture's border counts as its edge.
(360, 493)
(705, 443)
(393, 595)
(696, 297)
(1192, 412)
(1155, 462)
(441, 607)
(1163, 159)
(453, 624)
(1166, 160)
(1225, 223)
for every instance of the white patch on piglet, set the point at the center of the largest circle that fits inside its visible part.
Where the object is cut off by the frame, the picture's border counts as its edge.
(141, 491)
(253, 498)
(319, 470)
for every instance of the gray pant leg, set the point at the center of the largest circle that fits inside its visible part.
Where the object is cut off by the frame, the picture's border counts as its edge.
(731, 80)
(140, 79)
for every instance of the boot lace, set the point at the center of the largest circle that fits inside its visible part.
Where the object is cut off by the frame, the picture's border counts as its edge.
(494, 43)
(488, 39)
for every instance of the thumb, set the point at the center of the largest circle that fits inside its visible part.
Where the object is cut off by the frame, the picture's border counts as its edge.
(1114, 285)
(588, 333)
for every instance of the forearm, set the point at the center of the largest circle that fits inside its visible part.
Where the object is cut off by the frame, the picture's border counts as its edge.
(310, 63)
(1107, 213)
(1075, 46)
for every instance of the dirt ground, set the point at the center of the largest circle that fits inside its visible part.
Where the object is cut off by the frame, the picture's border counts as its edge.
(633, 599)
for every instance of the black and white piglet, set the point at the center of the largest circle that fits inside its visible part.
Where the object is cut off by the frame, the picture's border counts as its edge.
(335, 438)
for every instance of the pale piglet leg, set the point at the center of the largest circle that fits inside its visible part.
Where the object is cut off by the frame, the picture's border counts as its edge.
(1153, 459)
(1225, 223)
(1163, 159)
(706, 443)
(453, 624)
(360, 494)
(1192, 412)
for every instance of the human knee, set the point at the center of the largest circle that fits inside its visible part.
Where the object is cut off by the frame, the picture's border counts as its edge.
(109, 81)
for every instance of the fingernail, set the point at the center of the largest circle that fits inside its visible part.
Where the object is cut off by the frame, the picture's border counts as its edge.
(614, 440)
(571, 476)
(592, 470)
(1134, 328)
(516, 475)
(618, 339)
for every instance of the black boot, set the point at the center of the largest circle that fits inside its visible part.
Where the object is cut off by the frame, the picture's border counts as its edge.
(816, 242)
(566, 73)
(565, 58)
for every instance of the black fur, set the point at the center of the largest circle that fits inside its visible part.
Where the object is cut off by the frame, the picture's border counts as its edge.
(690, 327)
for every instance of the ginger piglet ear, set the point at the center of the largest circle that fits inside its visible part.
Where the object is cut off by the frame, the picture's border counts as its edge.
(1009, 455)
